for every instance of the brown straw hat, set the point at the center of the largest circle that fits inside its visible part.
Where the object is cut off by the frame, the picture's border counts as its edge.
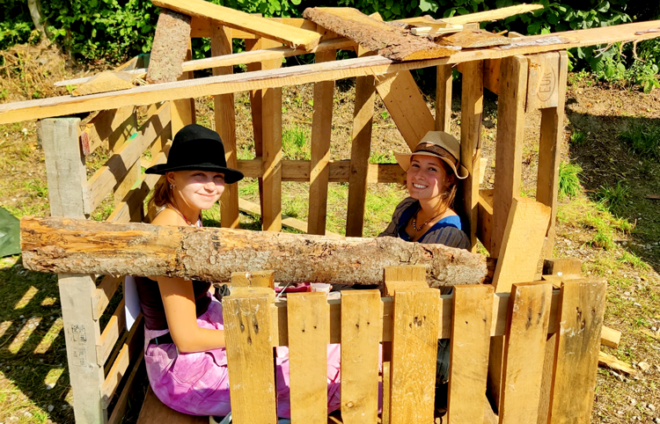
(441, 145)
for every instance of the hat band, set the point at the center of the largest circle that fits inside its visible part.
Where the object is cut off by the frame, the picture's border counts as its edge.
(436, 150)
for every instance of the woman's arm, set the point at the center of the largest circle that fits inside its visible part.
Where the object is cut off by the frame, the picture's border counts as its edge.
(179, 302)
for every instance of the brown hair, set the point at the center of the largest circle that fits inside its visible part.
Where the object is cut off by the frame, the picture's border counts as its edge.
(447, 196)
(162, 194)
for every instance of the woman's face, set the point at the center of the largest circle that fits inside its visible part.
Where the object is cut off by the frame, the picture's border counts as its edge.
(426, 177)
(198, 189)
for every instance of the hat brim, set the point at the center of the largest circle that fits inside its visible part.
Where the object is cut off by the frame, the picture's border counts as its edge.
(404, 159)
(231, 175)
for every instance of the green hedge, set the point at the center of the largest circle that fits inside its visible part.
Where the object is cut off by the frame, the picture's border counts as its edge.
(115, 30)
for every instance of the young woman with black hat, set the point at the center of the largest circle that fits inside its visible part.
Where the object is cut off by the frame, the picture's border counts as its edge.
(184, 338)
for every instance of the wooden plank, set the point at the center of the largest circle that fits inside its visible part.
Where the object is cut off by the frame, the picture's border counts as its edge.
(201, 27)
(300, 171)
(611, 362)
(529, 315)
(153, 411)
(119, 410)
(548, 372)
(403, 277)
(250, 359)
(522, 243)
(510, 138)
(110, 176)
(225, 125)
(488, 15)
(578, 343)
(253, 279)
(550, 146)
(443, 98)
(484, 221)
(106, 128)
(374, 35)
(472, 106)
(293, 37)
(256, 109)
(543, 81)
(183, 109)
(111, 332)
(104, 82)
(470, 340)
(610, 337)
(406, 106)
(126, 183)
(562, 267)
(492, 75)
(361, 330)
(414, 356)
(309, 334)
(287, 221)
(104, 293)
(170, 47)
(472, 39)
(363, 115)
(320, 151)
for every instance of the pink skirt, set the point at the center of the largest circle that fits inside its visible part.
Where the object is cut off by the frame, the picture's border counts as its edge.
(198, 383)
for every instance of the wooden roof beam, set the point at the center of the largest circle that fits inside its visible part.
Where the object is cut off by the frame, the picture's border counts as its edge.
(487, 15)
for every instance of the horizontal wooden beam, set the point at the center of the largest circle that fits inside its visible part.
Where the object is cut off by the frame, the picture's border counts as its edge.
(103, 294)
(132, 346)
(485, 16)
(326, 71)
(201, 27)
(111, 332)
(103, 126)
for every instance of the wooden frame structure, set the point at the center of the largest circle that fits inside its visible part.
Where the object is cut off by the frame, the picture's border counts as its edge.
(527, 76)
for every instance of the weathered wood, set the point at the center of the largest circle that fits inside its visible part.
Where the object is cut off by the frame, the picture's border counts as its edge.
(488, 15)
(550, 146)
(562, 267)
(548, 373)
(472, 106)
(529, 315)
(373, 35)
(406, 106)
(510, 138)
(492, 75)
(443, 97)
(250, 359)
(363, 115)
(578, 343)
(201, 27)
(273, 30)
(361, 329)
(132, 346)
(106, 128)
(170, 47)
(484, 221)
(404, 277)
(610, 361)
(470, 338)
(309, 334)
(522, 243)
(66, 245)
(253, 279)
(225, 125)
(320, 151)
(104, 293)
(67, 105)
(153, 411)
(183, 109)
(111, 332)
(127, 392)
(472, 39)
(105, 82)
(543, 81)
(414, 356)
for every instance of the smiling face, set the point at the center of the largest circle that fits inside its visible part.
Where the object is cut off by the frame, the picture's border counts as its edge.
(197, 189)
(427, 177)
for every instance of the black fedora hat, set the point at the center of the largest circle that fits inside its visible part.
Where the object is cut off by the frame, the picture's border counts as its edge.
(196, 148)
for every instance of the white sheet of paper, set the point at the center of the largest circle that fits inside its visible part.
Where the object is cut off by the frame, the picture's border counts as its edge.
(131, 300)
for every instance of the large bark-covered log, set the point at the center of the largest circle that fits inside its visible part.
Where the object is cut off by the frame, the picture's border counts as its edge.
(86, 247)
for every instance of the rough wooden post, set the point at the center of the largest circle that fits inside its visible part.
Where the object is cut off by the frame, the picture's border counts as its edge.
(552, 133)
(225, 125)
(472, 106)
(183, 111)
(65, 169)
(443, 94)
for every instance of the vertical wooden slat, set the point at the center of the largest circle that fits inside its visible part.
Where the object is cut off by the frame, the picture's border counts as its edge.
(256, 97)
(443, 97)
(470, 341)
(578, 343)
(361, 329)
(510, 137)
(225, 124)
(472, 105)
(414, 355)
(272, 151)
(65, 169)
(183, 110)
(250, 359)
(552, 134)
(320, 157)
(526, 333)
(546, 381)
(360, 149)
(308, 319)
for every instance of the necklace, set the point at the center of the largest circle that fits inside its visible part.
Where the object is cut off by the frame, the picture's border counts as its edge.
(414, 221)
(199, 221)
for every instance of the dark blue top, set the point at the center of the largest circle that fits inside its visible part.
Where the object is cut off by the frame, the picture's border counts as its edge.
(447, 231)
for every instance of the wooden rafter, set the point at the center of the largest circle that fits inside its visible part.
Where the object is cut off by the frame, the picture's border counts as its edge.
(488, 15)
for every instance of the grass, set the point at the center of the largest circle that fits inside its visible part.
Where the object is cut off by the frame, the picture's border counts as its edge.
(612, 197)
(644, 140)
(578, 137)
(569, 182)
(295, 143)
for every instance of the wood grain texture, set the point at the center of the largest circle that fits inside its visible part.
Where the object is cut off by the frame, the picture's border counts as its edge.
(170, 47)
(548, 373)
(250, 359)
(443, 98)
(414, 354)
(510, 137)
(309, 335)
(363, 113)
(183, 109)
(154, 411)
(470, 341)
(472, 106)
(406, 106)
(488, 15)
(543, 81)
(132, 345)
(578, 344)
(550, 146)
(212, 254)
(524, 354)
(320, 150)
(106, 128)
(273, 30)
(361, 330)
